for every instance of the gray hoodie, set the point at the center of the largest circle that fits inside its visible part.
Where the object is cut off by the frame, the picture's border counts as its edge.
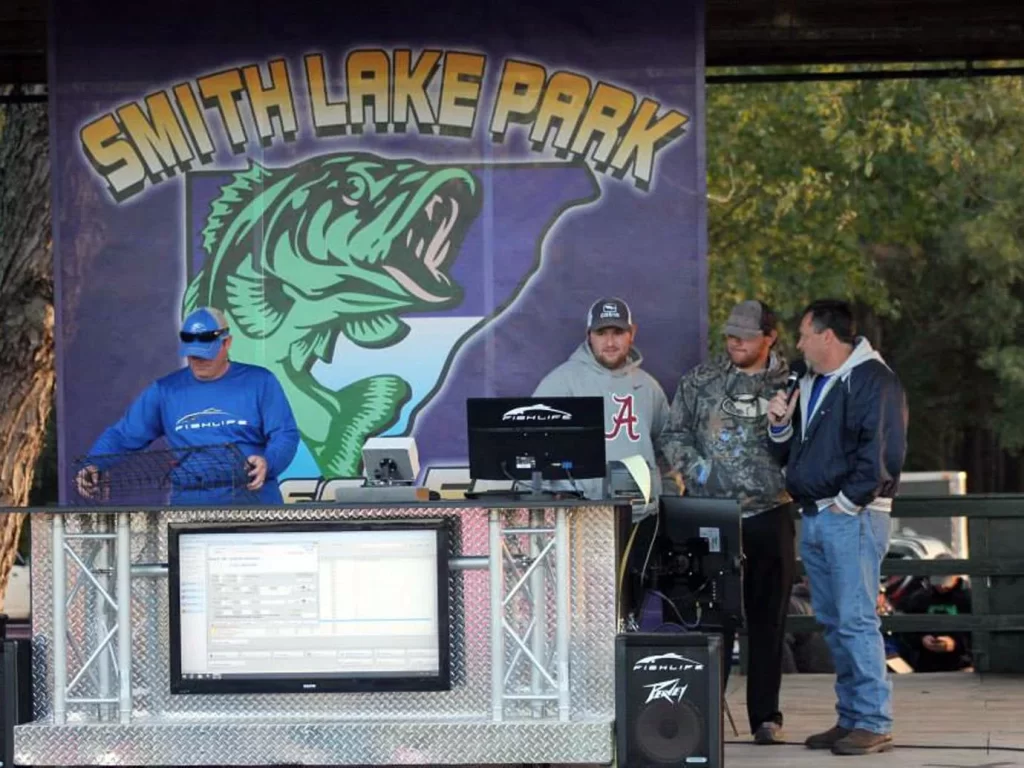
(636, 409)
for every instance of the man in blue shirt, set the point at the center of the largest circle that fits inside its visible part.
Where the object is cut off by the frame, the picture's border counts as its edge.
(211, 402)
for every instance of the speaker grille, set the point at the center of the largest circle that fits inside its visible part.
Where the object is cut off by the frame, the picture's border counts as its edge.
(668, 700)
(668, 733)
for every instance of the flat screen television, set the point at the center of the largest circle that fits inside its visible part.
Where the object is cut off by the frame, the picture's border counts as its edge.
(309, 607)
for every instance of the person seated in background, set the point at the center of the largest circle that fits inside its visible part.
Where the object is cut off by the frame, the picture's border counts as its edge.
(897, 588)
(893, 647)
(931, 652)
(805, 652)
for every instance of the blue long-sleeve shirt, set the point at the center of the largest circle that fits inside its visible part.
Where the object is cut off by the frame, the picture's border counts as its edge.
(246, 406)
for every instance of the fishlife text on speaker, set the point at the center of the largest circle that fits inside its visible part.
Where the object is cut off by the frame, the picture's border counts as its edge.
(667, 662)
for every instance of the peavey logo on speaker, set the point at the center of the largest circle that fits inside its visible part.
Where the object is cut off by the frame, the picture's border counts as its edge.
(538, 412)
(667, 690)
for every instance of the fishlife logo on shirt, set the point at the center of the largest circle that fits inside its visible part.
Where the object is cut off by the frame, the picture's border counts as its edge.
(668, 690)
(667, 662)
(538, 412)
(211, 418)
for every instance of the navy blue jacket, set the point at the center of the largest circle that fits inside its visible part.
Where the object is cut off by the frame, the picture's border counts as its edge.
(850, 452)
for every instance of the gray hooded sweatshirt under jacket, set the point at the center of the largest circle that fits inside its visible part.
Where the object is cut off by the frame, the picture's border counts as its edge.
(636, 409)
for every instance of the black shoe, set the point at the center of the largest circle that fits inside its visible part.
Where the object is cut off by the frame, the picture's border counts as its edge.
(769, 733)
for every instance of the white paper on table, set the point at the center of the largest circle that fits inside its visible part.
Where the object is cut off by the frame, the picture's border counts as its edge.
(641, 474)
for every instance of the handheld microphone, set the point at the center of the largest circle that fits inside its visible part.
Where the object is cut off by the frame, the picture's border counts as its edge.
(796, 372)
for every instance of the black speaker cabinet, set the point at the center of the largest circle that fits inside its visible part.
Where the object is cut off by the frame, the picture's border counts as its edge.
(15, 692)
(668, 700)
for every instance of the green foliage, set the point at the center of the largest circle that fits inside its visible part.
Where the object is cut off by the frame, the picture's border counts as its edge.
(903, 196)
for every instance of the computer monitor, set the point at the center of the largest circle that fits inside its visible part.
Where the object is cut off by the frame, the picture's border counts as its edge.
(701, 549)
(533, 438)
(358, 605)
(391, 461)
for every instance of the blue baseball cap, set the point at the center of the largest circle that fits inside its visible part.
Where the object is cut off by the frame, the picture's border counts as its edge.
(203, 332)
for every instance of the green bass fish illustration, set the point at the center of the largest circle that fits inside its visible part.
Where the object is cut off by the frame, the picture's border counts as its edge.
(347, 243)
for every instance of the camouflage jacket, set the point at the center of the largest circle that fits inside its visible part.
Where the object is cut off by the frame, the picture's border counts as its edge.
(717, 433)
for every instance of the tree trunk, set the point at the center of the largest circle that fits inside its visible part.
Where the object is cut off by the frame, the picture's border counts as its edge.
(26, 312)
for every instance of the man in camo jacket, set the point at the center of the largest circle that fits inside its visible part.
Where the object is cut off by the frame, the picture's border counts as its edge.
(716, 440)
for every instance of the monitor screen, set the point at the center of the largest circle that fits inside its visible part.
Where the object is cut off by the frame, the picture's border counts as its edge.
(562, 438)
(309, 607)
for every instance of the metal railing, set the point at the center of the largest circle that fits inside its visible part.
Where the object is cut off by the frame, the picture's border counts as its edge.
(995, 531)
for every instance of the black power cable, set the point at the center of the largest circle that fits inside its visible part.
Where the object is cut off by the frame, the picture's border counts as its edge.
(986, 748)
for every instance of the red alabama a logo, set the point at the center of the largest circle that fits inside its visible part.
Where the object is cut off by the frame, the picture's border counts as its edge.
(625, 418)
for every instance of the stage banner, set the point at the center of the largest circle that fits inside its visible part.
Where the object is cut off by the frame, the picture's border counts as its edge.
(397, 205)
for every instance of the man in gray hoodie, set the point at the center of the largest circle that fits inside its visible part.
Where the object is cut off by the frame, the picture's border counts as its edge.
(607, 365)
(716, 441)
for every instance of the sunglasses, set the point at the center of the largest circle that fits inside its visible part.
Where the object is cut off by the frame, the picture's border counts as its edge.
(204, 337)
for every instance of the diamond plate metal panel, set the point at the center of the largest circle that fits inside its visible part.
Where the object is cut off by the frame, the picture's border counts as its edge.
(274, 742)
(175, 730)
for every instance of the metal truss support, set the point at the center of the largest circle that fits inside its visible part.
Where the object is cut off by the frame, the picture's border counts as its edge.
(93, 557)
(530, 592)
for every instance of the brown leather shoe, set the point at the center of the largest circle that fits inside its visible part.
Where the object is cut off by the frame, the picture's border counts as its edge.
(861, 742)
(826, 739)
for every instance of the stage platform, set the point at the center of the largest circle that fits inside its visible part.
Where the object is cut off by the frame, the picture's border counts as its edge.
(979, 717)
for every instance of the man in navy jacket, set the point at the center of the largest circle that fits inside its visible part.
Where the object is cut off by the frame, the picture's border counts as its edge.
(843, 441)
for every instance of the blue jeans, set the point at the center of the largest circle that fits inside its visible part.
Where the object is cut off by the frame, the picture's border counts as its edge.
(842, 555)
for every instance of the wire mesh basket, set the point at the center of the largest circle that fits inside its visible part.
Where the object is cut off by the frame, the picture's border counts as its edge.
(208, 474)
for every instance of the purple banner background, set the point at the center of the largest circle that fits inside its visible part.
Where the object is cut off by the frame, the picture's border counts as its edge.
(121, 268)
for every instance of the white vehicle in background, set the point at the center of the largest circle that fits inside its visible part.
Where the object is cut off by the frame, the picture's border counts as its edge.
(909, 544)
(926, 538)
(952, 531)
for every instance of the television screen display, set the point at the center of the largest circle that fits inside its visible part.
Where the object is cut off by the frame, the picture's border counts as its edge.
(309, 607)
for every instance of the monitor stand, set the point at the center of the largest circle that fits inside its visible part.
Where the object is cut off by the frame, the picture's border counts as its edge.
(536, 491)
